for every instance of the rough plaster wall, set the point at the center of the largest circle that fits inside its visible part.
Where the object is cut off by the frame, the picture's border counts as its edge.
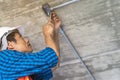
(92, 26)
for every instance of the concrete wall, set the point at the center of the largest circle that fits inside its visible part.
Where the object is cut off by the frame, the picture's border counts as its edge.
(91, 25)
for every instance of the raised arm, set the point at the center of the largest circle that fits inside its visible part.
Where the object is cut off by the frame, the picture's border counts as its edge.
(50, 31)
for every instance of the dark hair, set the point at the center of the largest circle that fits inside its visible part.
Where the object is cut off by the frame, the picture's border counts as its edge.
(11, 36)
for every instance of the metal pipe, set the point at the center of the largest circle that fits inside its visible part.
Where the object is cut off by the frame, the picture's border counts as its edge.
(76, 52)
(64, 4)
(47, 10)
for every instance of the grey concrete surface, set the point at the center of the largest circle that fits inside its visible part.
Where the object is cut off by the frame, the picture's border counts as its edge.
(91, 25)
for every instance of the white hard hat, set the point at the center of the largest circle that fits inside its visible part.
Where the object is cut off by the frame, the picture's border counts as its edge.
(4, 32)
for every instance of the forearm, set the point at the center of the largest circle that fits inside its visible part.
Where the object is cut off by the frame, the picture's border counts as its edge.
(51, 34)
(51, 42)
(58, 48)
(57, 42)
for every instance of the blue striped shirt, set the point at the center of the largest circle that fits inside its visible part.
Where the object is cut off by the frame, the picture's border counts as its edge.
(14, 64)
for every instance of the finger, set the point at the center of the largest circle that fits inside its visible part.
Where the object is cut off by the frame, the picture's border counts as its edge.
(56, 19)
(50, 20)
(53, 15)
(53, 12)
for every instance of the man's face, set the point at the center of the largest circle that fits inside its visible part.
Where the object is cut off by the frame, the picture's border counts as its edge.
(21, 44)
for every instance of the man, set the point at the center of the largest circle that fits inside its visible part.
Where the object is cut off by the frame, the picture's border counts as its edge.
(17, 59)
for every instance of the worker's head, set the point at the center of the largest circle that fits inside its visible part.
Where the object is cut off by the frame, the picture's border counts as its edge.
(11, 38)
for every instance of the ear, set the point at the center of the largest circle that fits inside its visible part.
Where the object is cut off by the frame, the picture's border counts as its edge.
(10, 45)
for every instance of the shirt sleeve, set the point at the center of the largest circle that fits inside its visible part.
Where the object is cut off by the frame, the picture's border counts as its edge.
(49, 56)
(16, 64)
